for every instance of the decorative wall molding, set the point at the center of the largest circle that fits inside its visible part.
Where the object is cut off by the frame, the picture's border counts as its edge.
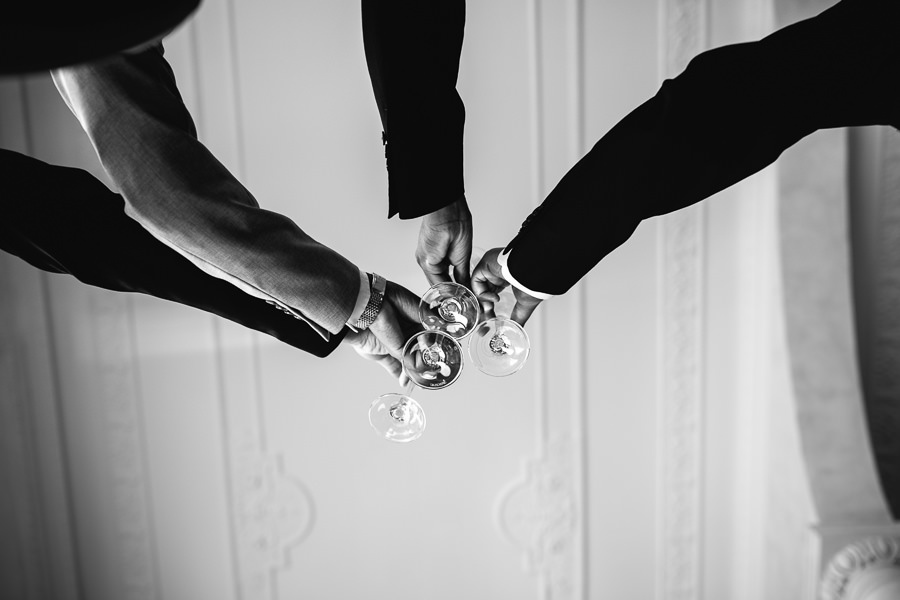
(681, 261)
(580, 562)
(22, 520)
(684, 34)
(541, 512)
(889, 284)
(856, 560)
(539, 515)
(273, 512)
(883, 374)
(135, 546)
(681, 406)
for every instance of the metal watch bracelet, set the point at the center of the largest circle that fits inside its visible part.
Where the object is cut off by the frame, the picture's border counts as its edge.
(377, 286)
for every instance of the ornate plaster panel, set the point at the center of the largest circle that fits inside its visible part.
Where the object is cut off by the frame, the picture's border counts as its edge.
(110, 316)
(681, 345)
(856, 561)
(538, 513)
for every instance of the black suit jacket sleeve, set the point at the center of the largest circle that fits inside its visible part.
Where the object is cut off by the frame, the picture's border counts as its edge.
(412, 51)
(64, 220)
(732, 112)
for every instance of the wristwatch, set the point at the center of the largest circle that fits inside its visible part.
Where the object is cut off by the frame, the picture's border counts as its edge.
(377, 285)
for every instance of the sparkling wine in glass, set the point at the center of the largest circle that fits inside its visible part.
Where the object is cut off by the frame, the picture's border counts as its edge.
(451, 308)
(431, 360)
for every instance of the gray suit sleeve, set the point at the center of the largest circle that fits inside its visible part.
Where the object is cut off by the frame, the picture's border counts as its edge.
(177, 190)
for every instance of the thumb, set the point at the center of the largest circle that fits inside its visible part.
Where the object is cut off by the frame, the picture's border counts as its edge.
(524, 307)
(461, 273)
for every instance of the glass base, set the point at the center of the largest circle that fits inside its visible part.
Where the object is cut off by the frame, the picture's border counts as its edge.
(397, 418)
(499, 347)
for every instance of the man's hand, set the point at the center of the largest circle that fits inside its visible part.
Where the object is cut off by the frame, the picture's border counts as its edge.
(445, 241)
(383, 341)
(371, 348)
(488, 282)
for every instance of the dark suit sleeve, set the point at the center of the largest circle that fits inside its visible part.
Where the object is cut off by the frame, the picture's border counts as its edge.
(731, 113)
(64, 220)
(412, 51)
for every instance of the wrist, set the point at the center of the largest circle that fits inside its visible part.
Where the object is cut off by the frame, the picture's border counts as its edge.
(458, 210)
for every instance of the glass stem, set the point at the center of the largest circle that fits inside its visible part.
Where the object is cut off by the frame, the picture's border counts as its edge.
(407, 390)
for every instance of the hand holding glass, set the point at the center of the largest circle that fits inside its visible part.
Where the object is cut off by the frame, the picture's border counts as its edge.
(431, 360)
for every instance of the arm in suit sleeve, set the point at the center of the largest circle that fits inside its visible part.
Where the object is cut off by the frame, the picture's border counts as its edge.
(412, 51)
(131, 109)
(64, 220)
(732, 112)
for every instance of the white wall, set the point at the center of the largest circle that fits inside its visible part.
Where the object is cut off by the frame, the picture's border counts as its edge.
(173, 455)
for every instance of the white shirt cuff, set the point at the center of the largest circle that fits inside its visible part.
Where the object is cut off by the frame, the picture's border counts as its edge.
(504, 268)
(361, 300)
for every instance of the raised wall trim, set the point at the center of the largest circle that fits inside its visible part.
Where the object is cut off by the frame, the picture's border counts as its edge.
(680, 396)
(856, 561)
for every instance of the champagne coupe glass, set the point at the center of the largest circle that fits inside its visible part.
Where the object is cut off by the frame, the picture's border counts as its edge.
(451, 308)
(431, 360)
(499, 346)
(396, 417)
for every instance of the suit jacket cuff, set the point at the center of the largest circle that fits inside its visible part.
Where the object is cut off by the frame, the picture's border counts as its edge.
(362, 299)
(503, 260)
